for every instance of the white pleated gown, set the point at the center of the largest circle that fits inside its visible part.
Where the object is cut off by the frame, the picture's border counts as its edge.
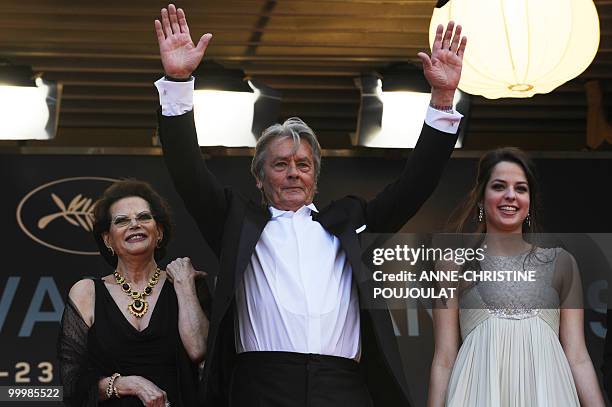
(511, 355)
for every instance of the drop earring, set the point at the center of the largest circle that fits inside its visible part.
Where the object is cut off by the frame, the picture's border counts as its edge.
(528, 220)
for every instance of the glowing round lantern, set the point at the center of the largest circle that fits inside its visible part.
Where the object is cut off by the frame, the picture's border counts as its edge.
(517, 48)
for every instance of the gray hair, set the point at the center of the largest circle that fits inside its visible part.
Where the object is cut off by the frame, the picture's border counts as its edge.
(293, 127)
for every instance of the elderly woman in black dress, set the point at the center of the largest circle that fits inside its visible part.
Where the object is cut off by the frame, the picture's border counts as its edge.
(135, 336)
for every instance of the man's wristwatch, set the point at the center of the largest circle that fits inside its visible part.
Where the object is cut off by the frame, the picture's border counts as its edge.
(173, 79)
(445, 109)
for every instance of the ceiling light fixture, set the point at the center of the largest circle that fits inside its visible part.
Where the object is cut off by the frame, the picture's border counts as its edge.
(29, 105)
(230, 109)
(393, 108)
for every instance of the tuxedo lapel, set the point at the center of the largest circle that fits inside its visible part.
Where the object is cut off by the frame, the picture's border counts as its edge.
(336, 220)
(248, 230)
(254, 223)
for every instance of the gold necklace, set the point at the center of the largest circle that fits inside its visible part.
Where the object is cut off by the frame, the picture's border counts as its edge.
(139, 306)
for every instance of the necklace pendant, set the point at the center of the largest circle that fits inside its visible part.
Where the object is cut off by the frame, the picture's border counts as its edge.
(138, 307)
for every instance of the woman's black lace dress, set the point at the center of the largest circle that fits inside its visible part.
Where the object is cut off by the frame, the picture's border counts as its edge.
(112, 345)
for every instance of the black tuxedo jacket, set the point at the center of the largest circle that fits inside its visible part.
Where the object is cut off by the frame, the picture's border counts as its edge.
(232, 226)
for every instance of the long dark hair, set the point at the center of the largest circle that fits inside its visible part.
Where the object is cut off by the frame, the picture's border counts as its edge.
(465, 218)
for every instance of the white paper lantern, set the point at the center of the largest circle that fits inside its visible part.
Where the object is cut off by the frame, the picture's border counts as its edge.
(517, 48)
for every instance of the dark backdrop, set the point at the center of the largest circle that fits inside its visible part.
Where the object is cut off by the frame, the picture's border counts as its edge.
(40, 265)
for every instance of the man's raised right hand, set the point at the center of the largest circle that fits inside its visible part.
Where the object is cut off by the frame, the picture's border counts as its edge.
(178, 54)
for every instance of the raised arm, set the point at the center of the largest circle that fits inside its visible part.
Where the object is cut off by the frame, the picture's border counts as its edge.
(399, 201)
(443, 68)
(179, 56)
(203, 195)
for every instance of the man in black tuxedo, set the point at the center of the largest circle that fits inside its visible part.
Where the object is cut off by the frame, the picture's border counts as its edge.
(286, 326)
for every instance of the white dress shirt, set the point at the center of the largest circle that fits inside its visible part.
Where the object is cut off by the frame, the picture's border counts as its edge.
(297, 293)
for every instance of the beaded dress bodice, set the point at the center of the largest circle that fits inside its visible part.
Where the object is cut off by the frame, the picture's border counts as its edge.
(513, 299)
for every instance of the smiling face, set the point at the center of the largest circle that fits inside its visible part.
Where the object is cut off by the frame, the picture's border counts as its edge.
(289, 176)
(133, 230)
(506, 199)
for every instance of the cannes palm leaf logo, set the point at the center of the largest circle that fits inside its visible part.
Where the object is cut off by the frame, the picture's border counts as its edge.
(79, 212)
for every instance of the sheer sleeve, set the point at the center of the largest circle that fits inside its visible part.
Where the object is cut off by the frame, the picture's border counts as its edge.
(79, 380)
(567, 276)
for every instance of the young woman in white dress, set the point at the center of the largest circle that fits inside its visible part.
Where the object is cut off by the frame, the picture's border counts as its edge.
(507, 344)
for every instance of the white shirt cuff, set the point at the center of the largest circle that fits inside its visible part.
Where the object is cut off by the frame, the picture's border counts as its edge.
(442, 121)
(175, 98)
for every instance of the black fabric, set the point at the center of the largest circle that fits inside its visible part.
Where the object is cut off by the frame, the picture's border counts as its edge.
(112, 345)
(232, 225)
(286, 379)
(78, 377)
(607, 358)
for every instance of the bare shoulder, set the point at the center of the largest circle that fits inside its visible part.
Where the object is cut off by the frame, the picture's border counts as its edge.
(83, 295)
(82, 290)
